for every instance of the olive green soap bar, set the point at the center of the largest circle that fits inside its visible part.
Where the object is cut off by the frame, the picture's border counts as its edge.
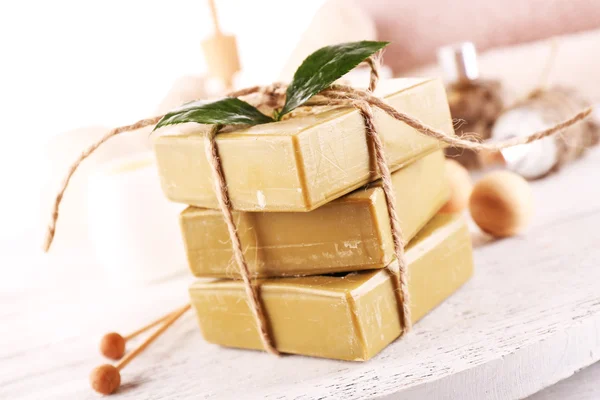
(349, 316)
(303, 162)
(349, 234)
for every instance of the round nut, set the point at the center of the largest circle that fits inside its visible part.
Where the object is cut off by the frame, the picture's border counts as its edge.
(461, 187)
(501, 203)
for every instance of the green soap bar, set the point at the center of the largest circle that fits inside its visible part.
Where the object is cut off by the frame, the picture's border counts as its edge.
(349, 316)
(303, 162)
(349, 234)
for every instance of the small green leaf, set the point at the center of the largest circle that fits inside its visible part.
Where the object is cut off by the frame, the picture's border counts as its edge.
(229, 111)
(325, 66)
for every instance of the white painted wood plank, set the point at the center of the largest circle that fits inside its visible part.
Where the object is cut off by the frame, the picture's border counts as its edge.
(581, 386)
(529, 318)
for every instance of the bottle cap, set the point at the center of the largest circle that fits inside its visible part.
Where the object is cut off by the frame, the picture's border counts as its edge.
(458, 62)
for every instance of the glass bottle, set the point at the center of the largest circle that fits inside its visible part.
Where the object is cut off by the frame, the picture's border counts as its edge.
(475, 103)
(541, 110)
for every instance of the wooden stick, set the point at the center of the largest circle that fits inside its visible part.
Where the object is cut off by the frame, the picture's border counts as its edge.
(171, 319)
(215, 18)
(106, 378)
(150, 325)
(113, 344)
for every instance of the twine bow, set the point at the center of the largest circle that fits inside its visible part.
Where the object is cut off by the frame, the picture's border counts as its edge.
(340, 96)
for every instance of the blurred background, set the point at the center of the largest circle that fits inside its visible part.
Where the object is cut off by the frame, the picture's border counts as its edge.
(71, 70)
(72, 64)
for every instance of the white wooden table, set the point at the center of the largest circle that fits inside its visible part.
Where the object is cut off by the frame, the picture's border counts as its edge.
(529, 318)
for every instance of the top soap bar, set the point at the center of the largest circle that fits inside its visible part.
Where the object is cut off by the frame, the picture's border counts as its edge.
(304, 162)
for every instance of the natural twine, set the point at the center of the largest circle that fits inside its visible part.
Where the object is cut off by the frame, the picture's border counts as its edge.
(51, 229)
(212, 155)
(398, 271)
(335, 95)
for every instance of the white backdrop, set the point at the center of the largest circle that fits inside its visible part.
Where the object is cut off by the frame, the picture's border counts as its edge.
(72, 63)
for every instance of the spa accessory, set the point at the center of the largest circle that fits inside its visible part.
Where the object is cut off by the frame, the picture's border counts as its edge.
(501, 203)
(112, 344)
(475, 103)
(541, 109)
(461, 187)
(106, 378)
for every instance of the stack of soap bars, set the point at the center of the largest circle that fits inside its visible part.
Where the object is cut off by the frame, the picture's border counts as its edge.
(314, 225)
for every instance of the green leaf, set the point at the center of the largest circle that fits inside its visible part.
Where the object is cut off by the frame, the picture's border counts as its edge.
(229, 111)
(325, 66)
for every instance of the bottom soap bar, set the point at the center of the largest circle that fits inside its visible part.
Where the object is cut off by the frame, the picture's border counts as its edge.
(350, 316)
